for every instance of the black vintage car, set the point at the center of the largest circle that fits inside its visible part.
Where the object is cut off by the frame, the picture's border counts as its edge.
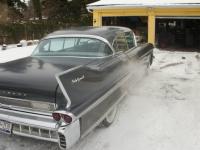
(72, 82)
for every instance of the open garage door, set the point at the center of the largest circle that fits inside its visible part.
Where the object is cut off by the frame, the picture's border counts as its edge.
(178, 33)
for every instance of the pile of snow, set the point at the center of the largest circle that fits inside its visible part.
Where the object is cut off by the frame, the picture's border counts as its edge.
(22, 43)
(16, 53)
(8, 46)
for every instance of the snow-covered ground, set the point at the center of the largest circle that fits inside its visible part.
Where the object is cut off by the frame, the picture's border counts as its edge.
(16, 53)
(162, 112)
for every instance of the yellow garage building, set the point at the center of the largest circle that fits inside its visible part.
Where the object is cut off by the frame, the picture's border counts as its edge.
(178, 17)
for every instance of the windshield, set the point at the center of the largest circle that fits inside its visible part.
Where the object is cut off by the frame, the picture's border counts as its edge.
(72, 46)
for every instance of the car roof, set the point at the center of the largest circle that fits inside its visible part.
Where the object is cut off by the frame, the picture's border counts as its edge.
(106, 32)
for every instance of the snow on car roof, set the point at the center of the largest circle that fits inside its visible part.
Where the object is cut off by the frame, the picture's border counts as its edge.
(143, 3)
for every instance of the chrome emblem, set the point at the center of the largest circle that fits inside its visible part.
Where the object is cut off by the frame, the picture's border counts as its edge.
(78, 79)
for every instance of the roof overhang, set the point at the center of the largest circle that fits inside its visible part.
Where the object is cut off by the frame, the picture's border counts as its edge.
(113, 4)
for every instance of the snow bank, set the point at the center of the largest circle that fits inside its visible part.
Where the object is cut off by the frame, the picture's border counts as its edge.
(16, 53)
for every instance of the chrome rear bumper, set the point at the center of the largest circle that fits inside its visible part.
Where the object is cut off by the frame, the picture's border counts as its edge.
(41, 126)
(31, 125)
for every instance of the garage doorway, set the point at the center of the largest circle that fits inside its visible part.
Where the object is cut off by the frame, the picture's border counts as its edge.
(139, 24)
(178, 33)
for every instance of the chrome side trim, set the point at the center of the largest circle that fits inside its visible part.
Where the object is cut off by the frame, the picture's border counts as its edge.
(62, 86)
(26, 105)
(28, 119)
(103, 116)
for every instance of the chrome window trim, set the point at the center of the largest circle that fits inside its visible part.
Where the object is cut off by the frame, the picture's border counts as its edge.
(80, 36)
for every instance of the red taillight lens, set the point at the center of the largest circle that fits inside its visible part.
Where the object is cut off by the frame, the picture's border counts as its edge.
(56, 116)
(66, 118)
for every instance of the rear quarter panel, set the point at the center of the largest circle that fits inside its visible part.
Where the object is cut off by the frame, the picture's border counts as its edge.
(86, 84)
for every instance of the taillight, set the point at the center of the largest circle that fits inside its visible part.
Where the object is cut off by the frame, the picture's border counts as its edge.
(66, 118)
(56, 116)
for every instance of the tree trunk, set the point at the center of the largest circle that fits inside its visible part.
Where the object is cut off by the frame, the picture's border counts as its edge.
(37, 9)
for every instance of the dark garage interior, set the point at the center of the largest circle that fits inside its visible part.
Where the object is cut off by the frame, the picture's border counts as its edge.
(178, 33)
(172, 33)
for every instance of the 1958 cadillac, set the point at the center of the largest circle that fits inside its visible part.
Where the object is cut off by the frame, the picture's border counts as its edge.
(70, 84)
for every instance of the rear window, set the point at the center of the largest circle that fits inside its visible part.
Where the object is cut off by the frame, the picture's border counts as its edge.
(124, 41)
(72, 46)
(120, 43)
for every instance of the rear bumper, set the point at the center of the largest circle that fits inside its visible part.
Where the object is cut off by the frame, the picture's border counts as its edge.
(41, 127)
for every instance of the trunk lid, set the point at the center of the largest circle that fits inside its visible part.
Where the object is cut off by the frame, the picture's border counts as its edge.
(31, 81)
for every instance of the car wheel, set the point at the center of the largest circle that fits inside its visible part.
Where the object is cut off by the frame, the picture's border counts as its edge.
(110, 117)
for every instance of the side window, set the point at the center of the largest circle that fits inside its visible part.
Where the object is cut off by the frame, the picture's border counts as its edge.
(130, 39)
(120, 43)
(56, 44)
(85, 41)
(44, 46)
